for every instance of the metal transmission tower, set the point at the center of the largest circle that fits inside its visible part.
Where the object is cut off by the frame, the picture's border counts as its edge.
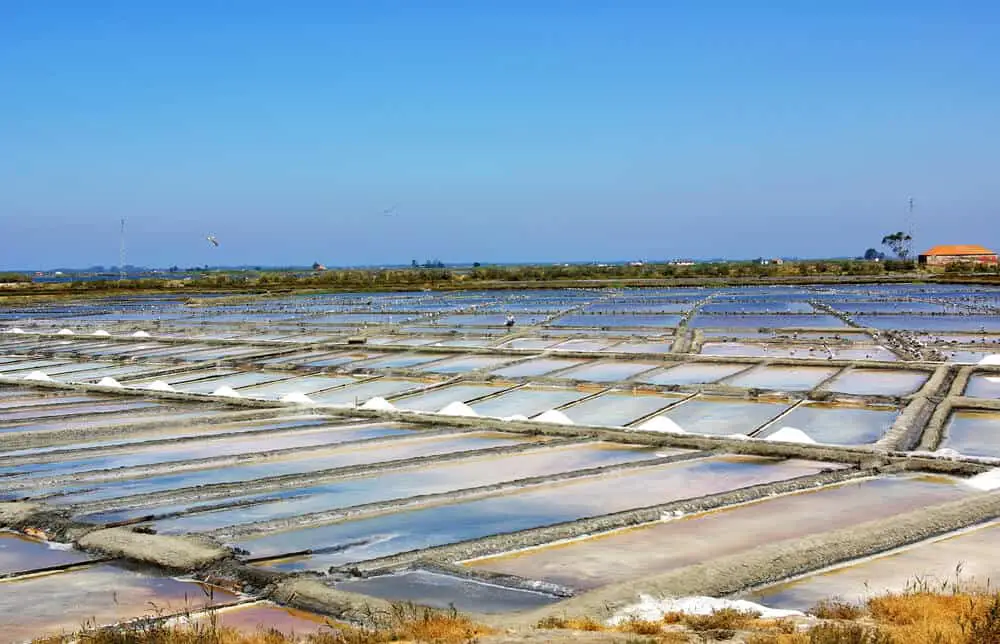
(121, 254)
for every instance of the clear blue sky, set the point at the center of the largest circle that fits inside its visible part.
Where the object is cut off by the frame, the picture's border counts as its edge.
(505, 130)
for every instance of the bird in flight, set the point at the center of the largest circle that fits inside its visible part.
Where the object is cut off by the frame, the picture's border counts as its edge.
(213, 240)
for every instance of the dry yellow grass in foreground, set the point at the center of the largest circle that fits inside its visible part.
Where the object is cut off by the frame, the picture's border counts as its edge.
(917, 616)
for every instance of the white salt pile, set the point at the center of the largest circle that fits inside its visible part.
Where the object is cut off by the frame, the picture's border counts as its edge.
(226, 390)
(64, 332)
(298, 398)
(992, 359)
(515, 418)
(653, 609)
(39, 376)
(159, 385)
(553, 416)
(100, 332)
(738, 437)
(378, 404)
(791, 435)
(661, 424)
(140, 334)
(108, 382)
(15, 330)
(457, 408)
(986, 481)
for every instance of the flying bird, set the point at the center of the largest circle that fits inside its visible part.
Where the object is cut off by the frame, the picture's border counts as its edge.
(388, 212)
(213, 240)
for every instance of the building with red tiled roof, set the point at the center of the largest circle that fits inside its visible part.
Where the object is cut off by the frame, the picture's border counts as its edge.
(970, 253)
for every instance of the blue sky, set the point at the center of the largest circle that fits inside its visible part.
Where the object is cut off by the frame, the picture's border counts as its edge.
(505, 130)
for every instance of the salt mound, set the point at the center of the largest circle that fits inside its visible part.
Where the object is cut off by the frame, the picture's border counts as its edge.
(553, 416)
(653, 610)
(515, 418)
(64, 332)
(791, 435)
(992, 359)
(140, 334)
(297, 397)
(737, 437)
(457, 408)
(379, 404)
(945, 452)
(15, 330)
(226, 390)
(109, 382)
(986, 481)
(661, 424)
(101, 332)
(38, 375)
(159, 385)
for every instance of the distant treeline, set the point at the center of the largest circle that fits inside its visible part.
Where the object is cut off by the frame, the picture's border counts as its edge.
(487, 276)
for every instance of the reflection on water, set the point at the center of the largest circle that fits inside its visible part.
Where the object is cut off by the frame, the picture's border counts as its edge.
(661, 547)
(442, 591)
(389, 534)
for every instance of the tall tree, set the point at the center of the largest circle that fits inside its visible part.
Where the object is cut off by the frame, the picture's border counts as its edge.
(898, 243)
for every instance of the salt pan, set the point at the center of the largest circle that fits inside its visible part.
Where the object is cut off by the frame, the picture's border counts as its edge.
(298, 398)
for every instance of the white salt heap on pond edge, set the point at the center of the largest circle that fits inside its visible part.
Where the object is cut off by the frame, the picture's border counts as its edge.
(661, 424)
(65, 332)
(515, 418)
(986, 481)
(791, 435)
(457, 408)
(379, 404)
(297, 397)
(553, 416)
(159, 385)
(100, 332)
(140, 334)
(653, 609)
(226, 390)
(15, 330)
(992, 359)
(108, 382)
(38, 375)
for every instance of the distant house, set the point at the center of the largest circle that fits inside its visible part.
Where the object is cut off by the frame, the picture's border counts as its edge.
(968, 253)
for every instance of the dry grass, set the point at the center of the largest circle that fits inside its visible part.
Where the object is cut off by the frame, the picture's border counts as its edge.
(405, 623)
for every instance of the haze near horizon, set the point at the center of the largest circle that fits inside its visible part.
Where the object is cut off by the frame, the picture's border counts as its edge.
(501, 131)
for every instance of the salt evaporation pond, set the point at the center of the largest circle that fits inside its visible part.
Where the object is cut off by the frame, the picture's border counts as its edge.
(432, 479)
(835, 424)
(973, 553)
(352, 541)
(444, 591)
(102, 594)
(302, 463)
(658, 548)
(973, 433)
